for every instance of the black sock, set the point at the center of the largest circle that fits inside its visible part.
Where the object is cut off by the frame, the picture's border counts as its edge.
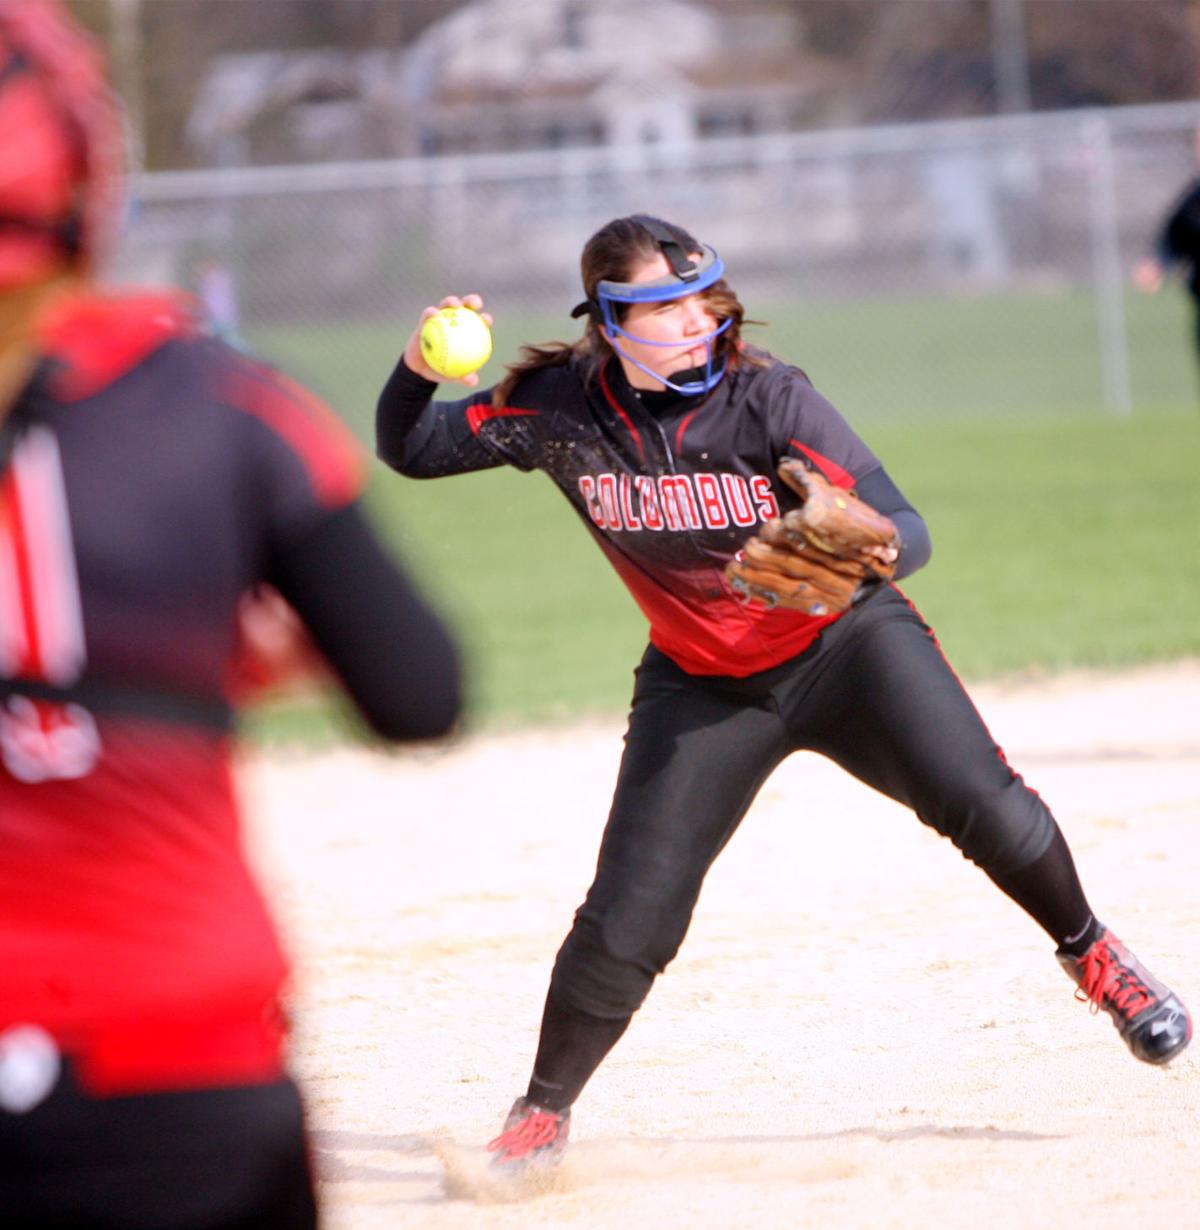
(572, 1046)
(1077, 945)
(1049, 891)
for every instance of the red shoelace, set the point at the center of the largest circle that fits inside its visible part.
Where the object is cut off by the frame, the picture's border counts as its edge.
(538, 1128)
(1108, 980)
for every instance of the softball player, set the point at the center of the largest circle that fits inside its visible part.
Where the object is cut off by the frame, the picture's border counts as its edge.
(663, 430)
(1177, 249)
(150, 477)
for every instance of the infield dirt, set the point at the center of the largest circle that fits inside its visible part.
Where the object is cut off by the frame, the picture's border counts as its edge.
(860, 1031)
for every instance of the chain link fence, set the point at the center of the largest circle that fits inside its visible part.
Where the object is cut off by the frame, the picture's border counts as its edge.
(946, 267)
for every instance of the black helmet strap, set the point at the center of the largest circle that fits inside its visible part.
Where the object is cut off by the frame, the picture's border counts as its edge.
(682, 265)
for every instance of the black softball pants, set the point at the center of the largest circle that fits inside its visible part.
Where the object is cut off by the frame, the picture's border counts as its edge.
(213, 1159)
(874, 694)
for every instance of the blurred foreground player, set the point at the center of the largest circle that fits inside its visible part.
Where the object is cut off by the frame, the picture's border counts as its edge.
(690, 456)
(150, 477)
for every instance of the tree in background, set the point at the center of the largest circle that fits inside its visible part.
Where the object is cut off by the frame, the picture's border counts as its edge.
(909, 59)
(936, 61)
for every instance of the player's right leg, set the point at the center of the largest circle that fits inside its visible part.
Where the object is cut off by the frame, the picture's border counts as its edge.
(905, 725)
(696, 753)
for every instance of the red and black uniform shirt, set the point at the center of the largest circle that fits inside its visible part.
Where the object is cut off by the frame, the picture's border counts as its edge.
(147, 478)
(670, 497)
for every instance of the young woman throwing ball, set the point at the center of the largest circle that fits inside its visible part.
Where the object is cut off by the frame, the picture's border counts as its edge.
(665, 431)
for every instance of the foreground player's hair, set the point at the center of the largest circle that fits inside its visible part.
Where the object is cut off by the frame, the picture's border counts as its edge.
(60, 193)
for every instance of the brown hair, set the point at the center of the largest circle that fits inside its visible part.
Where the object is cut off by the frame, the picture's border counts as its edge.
(611, 255)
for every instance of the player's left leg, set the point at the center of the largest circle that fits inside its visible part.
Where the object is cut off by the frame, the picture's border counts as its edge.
(889, 709)
(696, 753)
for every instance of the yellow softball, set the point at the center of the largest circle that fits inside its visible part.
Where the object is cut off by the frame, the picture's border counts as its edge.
(455, 342)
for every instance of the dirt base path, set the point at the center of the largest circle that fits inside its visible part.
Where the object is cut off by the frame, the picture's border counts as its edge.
(860, 1030)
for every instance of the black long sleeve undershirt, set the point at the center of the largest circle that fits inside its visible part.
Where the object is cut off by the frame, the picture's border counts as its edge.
(392, 653)
(400, 404)
(878, 490)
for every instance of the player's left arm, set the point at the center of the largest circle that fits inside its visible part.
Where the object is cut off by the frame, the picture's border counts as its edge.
(879, 491)
(813, 430)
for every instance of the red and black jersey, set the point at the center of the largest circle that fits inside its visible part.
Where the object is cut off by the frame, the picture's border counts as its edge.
(669, 493)
(150, 476)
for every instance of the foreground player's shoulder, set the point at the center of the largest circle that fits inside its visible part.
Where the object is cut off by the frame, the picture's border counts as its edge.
(92, 339)
(294, 420)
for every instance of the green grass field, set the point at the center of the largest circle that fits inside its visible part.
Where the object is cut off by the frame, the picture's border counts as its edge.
(1062, 534)
(928, 360)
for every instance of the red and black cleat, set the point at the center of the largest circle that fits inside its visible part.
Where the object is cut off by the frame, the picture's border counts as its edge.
(1148, 1015)
(532, 1136)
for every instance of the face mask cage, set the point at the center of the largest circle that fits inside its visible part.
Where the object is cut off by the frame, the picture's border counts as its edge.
(687, 277)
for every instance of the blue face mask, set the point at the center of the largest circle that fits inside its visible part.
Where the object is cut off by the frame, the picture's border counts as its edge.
(688, 277)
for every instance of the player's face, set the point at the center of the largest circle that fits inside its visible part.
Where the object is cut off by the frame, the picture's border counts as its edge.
(686, 321)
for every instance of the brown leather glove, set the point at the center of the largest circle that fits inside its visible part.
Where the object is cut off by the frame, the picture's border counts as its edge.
(817, 557)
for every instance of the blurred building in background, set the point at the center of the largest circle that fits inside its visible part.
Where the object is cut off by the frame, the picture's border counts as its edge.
(493, 76)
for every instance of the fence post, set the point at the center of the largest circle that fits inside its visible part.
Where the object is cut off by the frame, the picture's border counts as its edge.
(1108, 278)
